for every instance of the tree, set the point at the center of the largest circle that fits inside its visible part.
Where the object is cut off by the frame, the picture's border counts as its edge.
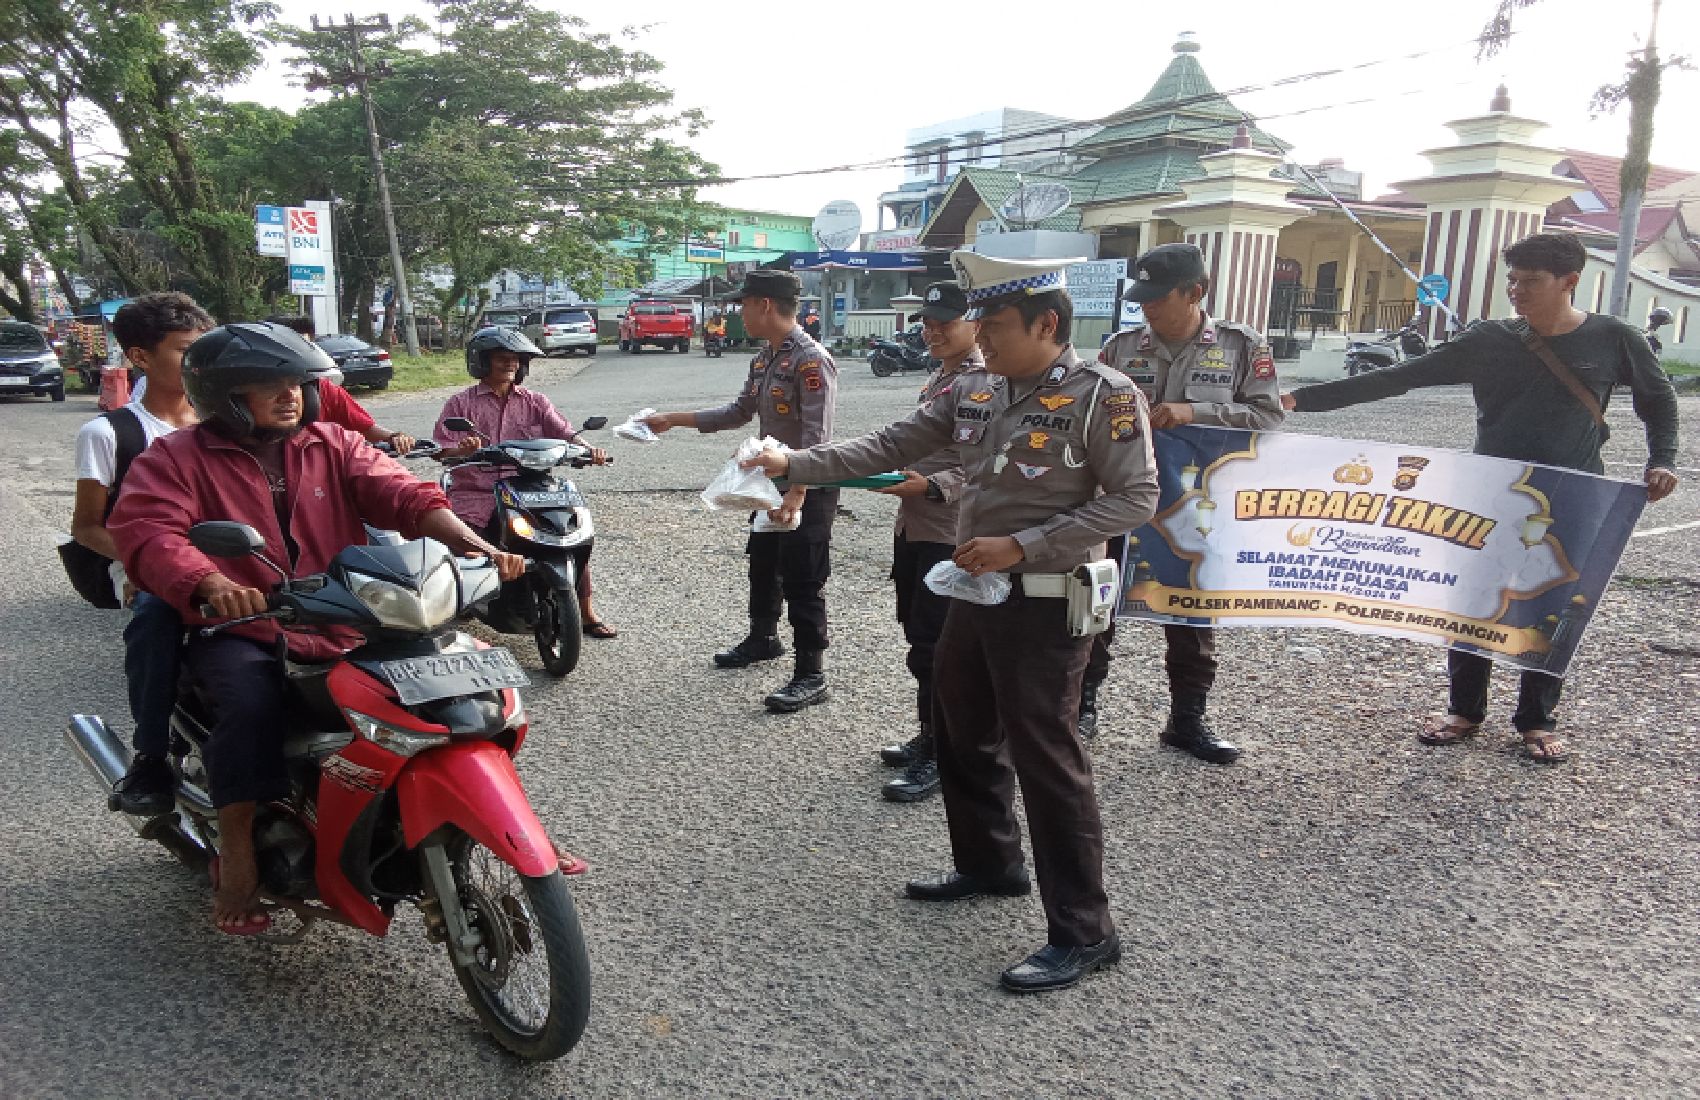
(146, 73)
(1640, 89)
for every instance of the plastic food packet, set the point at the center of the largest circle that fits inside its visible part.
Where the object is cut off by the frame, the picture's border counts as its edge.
(636, 430)
(949, 579)
(737, 489)
(764, 524)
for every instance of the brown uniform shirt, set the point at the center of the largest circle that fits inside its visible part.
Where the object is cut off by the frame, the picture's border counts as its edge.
(1225, 373)
(792, 388)
(921, 519)
(1061, 462)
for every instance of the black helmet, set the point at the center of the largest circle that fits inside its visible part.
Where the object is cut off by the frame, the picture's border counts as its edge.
(497, 338)
(231, 356)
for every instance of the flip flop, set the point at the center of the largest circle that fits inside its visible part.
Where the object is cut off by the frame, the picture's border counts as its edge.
(600, 629)
(254, 924)
(1538, 745)
(1441, 733)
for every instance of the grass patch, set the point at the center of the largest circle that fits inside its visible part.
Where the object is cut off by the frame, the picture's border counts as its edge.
(428, 371)
(1675, 367)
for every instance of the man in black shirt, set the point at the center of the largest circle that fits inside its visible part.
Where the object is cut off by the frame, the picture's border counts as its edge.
(1524, 411)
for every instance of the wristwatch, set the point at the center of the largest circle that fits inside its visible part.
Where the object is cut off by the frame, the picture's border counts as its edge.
(934, 493)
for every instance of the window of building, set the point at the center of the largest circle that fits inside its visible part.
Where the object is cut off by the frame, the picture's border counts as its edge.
(761, 240)
(1682, 324)
(732, 238)
(1599, 290)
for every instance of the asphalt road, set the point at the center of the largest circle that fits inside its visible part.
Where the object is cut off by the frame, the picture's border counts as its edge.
(1342, 913)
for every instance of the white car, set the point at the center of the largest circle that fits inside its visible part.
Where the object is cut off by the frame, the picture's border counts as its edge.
(561, 328)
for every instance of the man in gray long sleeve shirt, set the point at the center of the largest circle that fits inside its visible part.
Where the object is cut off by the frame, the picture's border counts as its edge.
(1524, 412)
(791, 390)
(1057, 456)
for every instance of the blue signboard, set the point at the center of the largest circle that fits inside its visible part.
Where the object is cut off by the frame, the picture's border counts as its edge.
(857, 261)
(269, 236)
(1433, 289)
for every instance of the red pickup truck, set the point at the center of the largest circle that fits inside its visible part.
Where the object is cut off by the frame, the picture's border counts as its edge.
(660, 323)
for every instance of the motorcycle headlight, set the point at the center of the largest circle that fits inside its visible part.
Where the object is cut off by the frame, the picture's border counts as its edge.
(433, 605)
(536, 459)
(399, 741)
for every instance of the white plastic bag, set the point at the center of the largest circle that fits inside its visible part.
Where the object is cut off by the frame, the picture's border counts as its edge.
(764, 524)
(741, 490)
(636, 430)
(949, 579)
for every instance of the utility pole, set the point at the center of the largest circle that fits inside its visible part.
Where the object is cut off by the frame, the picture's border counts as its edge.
(361, 77)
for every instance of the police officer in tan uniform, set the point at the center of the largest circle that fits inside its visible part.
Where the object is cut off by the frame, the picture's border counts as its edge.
(791, 390)
(926, 535)
(1193, 370)
(1057, 457)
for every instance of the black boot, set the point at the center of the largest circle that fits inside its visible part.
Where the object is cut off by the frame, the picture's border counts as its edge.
(1088, 723)
(807, 687)
(147, 788)
(920, 780)
(901, 755)
(1188, 730)
(763, 644)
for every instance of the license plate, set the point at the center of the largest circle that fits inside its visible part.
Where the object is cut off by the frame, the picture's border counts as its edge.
(561, 498)
(13, 380)
(423, 679)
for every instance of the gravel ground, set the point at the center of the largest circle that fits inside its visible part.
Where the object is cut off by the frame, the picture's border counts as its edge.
(1342, 913)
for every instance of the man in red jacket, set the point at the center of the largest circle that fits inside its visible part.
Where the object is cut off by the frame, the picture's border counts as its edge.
(258, 457)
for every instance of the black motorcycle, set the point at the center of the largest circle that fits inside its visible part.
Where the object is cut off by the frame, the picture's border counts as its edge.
(907, 351)
(713, 345)
(1368, 355)
(545, 520)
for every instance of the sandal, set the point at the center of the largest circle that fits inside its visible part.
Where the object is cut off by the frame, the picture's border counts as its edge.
(1448, 731)
(599, 629)
(1544, 746)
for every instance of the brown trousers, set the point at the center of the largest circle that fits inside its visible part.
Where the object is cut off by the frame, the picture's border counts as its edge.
(1006, 696)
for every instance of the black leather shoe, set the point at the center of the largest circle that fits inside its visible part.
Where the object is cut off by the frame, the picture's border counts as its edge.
(749, 651)
(902, 755)
(802, 691)
(1088, 724)
(147, 788)
(1191, 733)
(919, 781)
(954, 886)
(1053, 967)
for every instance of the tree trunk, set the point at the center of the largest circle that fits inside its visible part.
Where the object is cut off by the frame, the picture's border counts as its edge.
(1643, 96)
(364, 285)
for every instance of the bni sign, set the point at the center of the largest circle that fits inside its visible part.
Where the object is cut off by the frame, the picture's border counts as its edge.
(309, 279)
(269, 236)
(308, 236)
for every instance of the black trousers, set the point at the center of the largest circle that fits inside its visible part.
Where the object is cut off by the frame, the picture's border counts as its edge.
(1537, 693)
(1006, 684)
(921, 611)
(789, 570)
(243, 681)
(153, 652)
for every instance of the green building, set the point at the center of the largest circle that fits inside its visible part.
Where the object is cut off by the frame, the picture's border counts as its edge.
(749, 238)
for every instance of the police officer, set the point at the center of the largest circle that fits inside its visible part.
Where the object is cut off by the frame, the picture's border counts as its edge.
(791, 389)
(926, 535)
(1057, 456)
(1192, 370)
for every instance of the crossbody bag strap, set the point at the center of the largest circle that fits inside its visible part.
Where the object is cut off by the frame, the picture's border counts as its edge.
(1532, 340)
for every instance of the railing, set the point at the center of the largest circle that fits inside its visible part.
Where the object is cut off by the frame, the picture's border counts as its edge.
(1292, 306)
(1389, 316)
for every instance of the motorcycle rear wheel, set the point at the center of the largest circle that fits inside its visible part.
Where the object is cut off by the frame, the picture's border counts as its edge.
(880, 364)
(531, 983)
(559, 631)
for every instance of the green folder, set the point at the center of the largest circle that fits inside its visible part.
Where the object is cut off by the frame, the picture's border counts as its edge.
(877, 481)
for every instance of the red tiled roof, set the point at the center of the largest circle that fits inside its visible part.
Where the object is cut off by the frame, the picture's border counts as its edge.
(1600, 172)
(1653, 223)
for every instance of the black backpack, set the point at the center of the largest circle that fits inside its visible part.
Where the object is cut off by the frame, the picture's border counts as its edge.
(88, 570)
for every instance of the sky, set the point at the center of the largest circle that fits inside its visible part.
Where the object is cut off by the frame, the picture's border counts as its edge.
(816, 87)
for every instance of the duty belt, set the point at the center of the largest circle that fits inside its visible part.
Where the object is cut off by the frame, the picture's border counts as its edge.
(1044, 585)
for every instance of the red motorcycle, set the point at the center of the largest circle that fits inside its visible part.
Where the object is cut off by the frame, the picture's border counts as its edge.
(403, 787)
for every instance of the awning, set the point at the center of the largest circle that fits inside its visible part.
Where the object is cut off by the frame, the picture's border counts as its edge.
(857, 261)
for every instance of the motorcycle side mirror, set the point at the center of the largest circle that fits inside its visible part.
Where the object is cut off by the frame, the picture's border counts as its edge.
(595, 423)
(459, 424)
(223, 538)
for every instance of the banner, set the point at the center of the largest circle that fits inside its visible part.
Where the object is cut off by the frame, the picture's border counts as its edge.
(1092, 286)
(309, 242)
(1262, 529)
(269, 236)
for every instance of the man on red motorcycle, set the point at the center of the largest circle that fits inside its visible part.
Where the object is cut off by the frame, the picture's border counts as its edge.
(259, 457)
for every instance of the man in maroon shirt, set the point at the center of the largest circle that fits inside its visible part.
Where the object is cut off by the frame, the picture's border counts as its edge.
(258, 457)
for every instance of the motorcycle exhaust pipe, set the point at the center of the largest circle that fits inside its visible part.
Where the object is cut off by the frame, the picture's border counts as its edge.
(101, 752)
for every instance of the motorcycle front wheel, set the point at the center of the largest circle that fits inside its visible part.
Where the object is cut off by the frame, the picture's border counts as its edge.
(880, 364)
(559, 631)
(530, 983)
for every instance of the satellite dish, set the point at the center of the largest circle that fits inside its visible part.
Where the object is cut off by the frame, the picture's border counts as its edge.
(838, 225)
(1031, 203)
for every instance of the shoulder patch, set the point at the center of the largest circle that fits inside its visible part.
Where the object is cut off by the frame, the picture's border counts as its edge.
(1108, 374)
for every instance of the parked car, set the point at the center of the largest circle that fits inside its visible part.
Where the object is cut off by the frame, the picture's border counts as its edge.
(28, 363)
(562, 328)
(505, 318)
(659, 323)
(361, 363)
